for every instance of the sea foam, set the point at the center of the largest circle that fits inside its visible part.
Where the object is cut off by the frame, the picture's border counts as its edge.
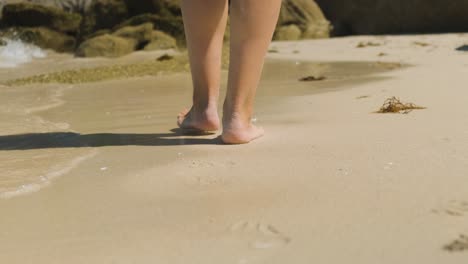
(15, 52)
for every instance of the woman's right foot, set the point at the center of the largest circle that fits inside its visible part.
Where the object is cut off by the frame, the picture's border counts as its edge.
(237, 131)
(206, 120)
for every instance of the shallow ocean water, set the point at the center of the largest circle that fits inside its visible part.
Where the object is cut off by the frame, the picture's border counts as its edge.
(46, 130)
(15, 53)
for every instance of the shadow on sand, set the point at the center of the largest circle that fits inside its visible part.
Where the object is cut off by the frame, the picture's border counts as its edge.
(76, 140)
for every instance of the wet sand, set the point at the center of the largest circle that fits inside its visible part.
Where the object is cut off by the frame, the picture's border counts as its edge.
(331, 182)
(50, 128)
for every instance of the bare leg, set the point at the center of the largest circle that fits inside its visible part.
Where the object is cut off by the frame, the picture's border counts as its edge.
(252, 26)
(205, 24)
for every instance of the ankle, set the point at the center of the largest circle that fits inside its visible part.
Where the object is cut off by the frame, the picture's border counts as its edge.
(205, 107)
(236, 120)
(236, 113)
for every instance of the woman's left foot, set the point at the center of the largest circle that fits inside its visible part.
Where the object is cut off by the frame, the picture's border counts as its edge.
(206, 120)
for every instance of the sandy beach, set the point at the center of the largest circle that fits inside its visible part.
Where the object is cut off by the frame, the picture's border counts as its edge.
(107, 179)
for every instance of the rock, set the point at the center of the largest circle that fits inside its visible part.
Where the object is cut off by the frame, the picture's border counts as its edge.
(160, 41)
(173, 6)
(306, 15)
(104, 14)
(106, 46)
(99, 33)
(42, 37)
(160, 7)
(165, 57)
(396, 16)
(142, 34)
(74, 6)
(138, 20)
(291, 32)
(171, 25)
(32, 15)
(6, 2)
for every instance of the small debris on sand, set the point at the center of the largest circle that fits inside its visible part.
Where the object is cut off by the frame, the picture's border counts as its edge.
(462, 48)
(381, 54)
(458, 245)
(394, 105)
(420, 43)
(364, 44)
(312, 78)
(362, 97)
(273, 51)
(296, 51)
(165, 57)
(389, 65)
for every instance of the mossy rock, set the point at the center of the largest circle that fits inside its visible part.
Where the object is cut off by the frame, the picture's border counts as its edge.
(42, 37)
(142, 34)
(104, 14)
(32, 15)
(306, 15)
(160, 41)
(138, 20)
(171, 25)
(99, 32)
(320, 29)
(106, 46)
(290, 32)
(396, 16)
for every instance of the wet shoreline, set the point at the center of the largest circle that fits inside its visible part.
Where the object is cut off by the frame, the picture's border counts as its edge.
(121, 111)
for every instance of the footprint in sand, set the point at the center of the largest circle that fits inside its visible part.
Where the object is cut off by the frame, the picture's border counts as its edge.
(260, 236)
(453, 208)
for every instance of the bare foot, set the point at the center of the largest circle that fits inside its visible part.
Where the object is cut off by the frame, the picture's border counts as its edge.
(206, 120)
(236, 131)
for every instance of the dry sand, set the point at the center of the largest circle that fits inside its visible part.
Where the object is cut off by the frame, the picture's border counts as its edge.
(331, 182)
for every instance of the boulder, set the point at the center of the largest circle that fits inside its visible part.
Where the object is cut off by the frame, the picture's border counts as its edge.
(306, 15)
(138, 20)
(98, 33)
(42, 37)
(32, 15)
(104, 14)
(396, 16)
(106, 46)
(171, 25)
(160, 41)
(290, 32)
(142, 34)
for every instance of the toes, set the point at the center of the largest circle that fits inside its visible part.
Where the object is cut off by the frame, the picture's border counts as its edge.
(183, 113)
(182, 116)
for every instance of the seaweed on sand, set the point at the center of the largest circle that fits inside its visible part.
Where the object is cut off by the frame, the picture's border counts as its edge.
(165, 57)
(389, 65)
(364, 44)
(103, 73)
(458, 245)
(462, 48)
(421, 43)
(163, 64)
(362, 97)
(395, 105)
(312, 78)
